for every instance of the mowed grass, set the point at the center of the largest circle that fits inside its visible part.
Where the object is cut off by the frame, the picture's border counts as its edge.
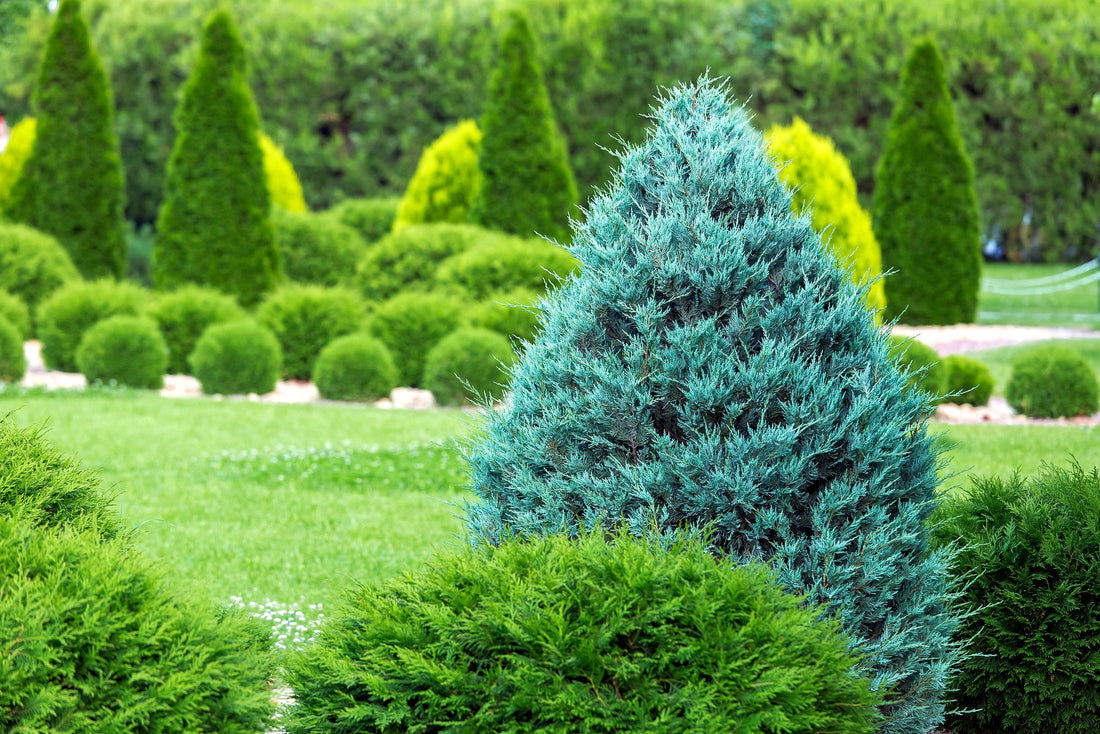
(1077, 307)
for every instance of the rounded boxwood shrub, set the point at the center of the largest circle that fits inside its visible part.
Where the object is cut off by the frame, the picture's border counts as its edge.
(16, 313)
(409, 257)
(237, 357)
(316, 248)
(13, 363)
(921, 364)
(410, 324)
(1052, 381)
(183, 315)
(32, 265)
(95, 640)
(128, 350)
(468, 365)
(304, 318)
(67, 314)
(1030, 547)
(371, 218)
(557, 634)
(354, 367)
(504, 264)
(970, 378)
(513, 314)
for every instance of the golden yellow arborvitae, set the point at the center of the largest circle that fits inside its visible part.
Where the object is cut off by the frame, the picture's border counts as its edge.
(15, 155)
(446, 179)
(282, 181)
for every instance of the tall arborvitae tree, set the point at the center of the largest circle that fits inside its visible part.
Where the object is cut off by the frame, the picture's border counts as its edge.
(713, 367)
(925, 209)
(72, 185)
(214, 227)
(527, 185)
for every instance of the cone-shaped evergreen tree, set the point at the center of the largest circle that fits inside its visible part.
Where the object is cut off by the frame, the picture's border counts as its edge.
(72, 185)
(527, 185)
(712, 365)
(214, 228)
(925, 209)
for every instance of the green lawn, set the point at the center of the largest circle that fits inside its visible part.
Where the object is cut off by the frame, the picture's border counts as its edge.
(1078, 307)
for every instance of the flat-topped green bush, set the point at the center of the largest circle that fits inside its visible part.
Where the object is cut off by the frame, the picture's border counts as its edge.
(354, 367)
(125, 350)
(68, 313)
(316, 248)
(371, 218)
(409, 258)
(237, 357)
(1052, 381)
(183, 315)
(305, 318)
(32, 265)
(505, 264)
(468, 365)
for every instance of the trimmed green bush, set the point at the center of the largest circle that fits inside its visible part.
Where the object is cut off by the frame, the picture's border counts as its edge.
(354, 367)
(214, 227)
(32, 265)
(127, 350)
(410, 324)
(304, 318)
(1052, 382)
(237, 357)
(282, 182)
(183, 315)
(408, 258)
(13, 363)
(67, 314)
(925, 208)
(468, 366)
(527, 185)
(316, 248)
(15, 155)
(713, 367)
(506, 264)
(921, 364)
(372, 218)
(72, 186)
(446, 179)
(1030, 549)
(16, 313)
(587, 635)
(513, 313)
(970, 378)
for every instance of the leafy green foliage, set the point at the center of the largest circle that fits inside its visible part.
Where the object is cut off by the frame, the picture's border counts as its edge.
(925, 207)
(127, 350)
(408, 258)
(183, 315)
(410, 324)
(446, 179)
(316, 248)
(354, 367)
(67, 314)
(1052, 381)
(15, 312)
(237, 357)
(969, 379)
(13, 363)
(468, 366)
(1030, 547)
(527, 185)
(514, 314)
(282, 182)
(213, 227)
(15, 155)
(594, 635)
(371, 218)
(504, 264)
(921, 365)
(713, 367)
(305, 318)
(32, 265)
(71, 186)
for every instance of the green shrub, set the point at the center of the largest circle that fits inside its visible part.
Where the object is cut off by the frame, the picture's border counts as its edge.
(13, 363)
(15, 312)
(304, 318)
(713, 367)
(468, 366)
(588, 635)
(1052, 382)
(32, 265)
(237, 357)
(14, 156)
(316, 248)
(527, 185)
(96, 641)
(72, 186)
(408, 258)
(410, 324)
(970, 378)
(925, 207)
(921, 364)
(513, 313)
(445, 181)
(127, 350)
(506, 264)
(372, 218)
(354, 367)
(282, 182)
(1030, 548)
(183, 315)
(67, 314)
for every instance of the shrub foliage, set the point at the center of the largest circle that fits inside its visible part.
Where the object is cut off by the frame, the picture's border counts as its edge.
(16, 313)
(237, 357)
(282, 182)
(409, 258)
(354, 367)
(968, 380)
(305, 318)
(316, 248)
(469, 365)
(1052, 381)
(13, 363)
(71, 311)
(125, 349)
(446, 179)
(506, 263)
(921, 364)
(183, 315)
(371, 218)
(32, 265)
(410, 324)
(14, 156)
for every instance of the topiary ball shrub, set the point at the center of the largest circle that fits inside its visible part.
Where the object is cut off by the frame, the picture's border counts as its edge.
(237, 357)
(515, 314)
(66, 315)
(127, 350)
(355, 367)
(921, 364)
(408, 258)
(16, 313)
(968, 379)
(410, 324)
(1052, 381)
(371, 218)
(304, 318)
(183, 315)
(32, 265)
(1030, 549)
(95, 640)
(505, 264)
(468, 366)
(13, 362)
(316, 248)
(565, 635)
